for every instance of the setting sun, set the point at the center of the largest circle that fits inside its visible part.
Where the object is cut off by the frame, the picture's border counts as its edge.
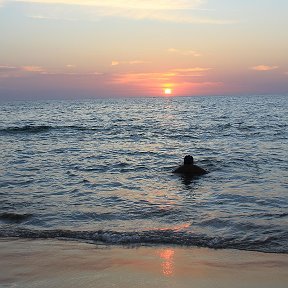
(167, 91)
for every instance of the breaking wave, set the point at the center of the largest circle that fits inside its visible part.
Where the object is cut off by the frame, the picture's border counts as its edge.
(269, 244)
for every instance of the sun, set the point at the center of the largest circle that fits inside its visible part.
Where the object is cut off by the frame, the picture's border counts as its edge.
(167, 91)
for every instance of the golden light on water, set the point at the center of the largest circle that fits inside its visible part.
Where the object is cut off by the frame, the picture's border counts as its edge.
(167, 256)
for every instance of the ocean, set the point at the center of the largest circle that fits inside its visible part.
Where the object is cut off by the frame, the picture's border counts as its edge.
(100, 171)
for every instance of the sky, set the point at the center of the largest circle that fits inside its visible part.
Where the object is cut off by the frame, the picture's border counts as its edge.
(52, 49)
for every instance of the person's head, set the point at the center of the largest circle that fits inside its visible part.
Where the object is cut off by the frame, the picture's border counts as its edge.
(188, 159)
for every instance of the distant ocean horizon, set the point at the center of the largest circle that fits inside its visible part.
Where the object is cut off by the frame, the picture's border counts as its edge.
(36, 98)
(100, 170)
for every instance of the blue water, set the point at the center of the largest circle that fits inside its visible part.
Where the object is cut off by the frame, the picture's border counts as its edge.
(100, 170)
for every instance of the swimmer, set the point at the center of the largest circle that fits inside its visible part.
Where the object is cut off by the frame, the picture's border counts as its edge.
(189, 169)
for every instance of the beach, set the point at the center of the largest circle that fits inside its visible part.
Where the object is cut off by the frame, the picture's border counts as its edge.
(58, 263)
(100, 172)
(143, 144)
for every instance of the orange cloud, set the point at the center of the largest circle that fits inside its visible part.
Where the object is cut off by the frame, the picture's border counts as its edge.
(195, 69)
(264, 68)
(140, 77)
(154, 82)
(33, 69)
(160, 76)
(182, 81)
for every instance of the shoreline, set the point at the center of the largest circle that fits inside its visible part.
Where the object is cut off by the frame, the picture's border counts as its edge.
(61, 263)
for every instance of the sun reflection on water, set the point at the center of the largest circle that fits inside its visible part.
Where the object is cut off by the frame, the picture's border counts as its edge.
(167, 257)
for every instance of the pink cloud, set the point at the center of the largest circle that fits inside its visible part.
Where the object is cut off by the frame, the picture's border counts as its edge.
(264, 68)
(33, 69)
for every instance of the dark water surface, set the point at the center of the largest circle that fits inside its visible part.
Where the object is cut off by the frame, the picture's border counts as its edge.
(100, 170)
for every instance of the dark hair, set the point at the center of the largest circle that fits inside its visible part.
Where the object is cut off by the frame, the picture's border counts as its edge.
(188, 159)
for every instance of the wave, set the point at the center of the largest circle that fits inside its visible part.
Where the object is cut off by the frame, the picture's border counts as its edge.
(14, 217)
(46, 128)
(26, 128)
(40, 128)
(269, 244)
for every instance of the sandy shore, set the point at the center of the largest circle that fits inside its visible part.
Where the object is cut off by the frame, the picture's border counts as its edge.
(45, 263)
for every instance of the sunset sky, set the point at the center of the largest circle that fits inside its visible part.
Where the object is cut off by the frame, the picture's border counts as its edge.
(109, 48)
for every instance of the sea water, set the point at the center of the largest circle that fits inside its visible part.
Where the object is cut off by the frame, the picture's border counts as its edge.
(101, 170)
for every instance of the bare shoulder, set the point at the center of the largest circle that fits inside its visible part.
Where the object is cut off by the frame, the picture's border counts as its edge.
(179, 170)
(199, 171)
(192, 170)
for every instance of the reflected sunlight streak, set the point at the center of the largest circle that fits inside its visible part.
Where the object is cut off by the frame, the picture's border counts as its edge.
(168, 265)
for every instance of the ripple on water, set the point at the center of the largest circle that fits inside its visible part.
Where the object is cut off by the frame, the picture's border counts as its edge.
(100, 170)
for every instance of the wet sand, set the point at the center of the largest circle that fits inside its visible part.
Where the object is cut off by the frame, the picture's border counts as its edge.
(53, 263)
